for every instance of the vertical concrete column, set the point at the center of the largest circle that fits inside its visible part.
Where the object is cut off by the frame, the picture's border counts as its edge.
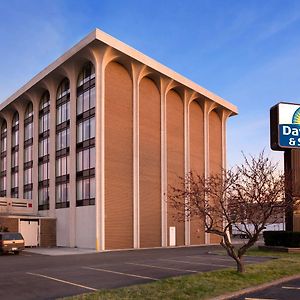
(72, 157)
(164, 175)
(224, 115)
(187, 223)
(100, 149)
(21, 111)
(208, 106)
(35, 154)
(52, 150)
(136, 179)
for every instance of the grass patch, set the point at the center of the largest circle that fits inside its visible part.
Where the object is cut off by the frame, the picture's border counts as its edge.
(207, 285)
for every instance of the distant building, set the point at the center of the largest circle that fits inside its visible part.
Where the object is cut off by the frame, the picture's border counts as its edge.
(89, 146)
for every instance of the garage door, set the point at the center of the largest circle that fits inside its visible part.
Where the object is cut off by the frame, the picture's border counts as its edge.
(30, 231)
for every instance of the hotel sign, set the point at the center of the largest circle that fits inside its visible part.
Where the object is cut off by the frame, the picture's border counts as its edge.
(285, 126)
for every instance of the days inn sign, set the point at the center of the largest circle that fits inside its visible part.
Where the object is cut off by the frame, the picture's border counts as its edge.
(285, 126)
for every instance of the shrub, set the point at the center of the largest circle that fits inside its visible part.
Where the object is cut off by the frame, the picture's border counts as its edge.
(3, 228)
(282, 238)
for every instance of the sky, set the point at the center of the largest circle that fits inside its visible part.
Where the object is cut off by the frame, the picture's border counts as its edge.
(247, 52)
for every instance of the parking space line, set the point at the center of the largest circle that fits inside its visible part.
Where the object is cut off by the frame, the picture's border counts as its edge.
(62, 281)
(219, 258)
(120, 273)
(195, 263)
(259, 299)
(291, 287)
(163, 268)
(214, 258)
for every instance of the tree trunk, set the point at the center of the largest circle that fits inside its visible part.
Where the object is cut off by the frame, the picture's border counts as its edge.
(240, 266)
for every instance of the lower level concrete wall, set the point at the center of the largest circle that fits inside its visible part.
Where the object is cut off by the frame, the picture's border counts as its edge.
(62, 227)
(86, 227)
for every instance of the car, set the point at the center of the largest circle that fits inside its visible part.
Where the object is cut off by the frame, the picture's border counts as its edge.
(11, 242)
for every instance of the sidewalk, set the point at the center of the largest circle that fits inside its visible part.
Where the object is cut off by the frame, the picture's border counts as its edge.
(56, 251)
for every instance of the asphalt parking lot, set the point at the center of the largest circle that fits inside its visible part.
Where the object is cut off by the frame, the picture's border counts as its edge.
(287, 290)
(34, 276)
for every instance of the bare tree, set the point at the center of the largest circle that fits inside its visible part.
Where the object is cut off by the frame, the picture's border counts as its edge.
(248, 197)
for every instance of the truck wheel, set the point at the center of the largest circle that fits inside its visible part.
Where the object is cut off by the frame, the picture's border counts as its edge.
(16, 252)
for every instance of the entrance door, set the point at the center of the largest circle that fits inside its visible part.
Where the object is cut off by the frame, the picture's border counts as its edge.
(30, 231)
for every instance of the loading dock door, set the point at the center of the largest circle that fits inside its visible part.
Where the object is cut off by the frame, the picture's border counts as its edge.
(30, 231)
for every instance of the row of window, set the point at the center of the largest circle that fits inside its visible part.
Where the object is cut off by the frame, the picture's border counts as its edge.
(85, 164)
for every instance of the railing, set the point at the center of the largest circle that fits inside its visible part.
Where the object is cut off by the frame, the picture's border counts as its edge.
(16, 206)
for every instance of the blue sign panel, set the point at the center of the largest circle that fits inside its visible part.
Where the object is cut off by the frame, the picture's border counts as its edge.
(289, 135)
(288, 125)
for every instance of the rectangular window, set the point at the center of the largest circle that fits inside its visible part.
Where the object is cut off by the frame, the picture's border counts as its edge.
(28, 131)
(62, 193)
(62, 166)
(28, 176)
(63, 113)
(14, 159)
(63, 139)
(3, 161)
(86, 130)
(86, 189)
(44, 147)
(15, 138)
(14, 180)
(28, 154)
(28, 194)
(86, 159)
(43, 196)
(3, 183)
(43, 171)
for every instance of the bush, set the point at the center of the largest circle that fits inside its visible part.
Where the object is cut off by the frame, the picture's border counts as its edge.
(3, 228)
(282, 238)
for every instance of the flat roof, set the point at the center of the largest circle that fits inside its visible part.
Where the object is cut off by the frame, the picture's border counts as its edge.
(105, 38)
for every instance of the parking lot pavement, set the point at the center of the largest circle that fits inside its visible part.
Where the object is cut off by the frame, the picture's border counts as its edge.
(33, 276)
(288, 290)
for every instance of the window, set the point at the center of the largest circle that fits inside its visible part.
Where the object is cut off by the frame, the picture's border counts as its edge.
(63, 139)
(86, 159)
(62, 191)
(14, 180)
(86, 190)
(44, 171)
(15, 159)
(28, 140)
(28, 194)
(86, 130)
(43, 198)
(43, 147)
(3, 160)
(62, 166)
(28, 176)
(62, 144)
(63, 113)
(85, 164)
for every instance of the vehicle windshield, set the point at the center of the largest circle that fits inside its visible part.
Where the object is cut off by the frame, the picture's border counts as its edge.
(10, 236)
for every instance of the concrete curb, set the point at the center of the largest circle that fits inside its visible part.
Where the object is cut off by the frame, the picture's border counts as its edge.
(255, 288)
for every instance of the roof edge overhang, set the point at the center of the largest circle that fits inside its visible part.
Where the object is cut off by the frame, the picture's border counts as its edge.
(107, 39)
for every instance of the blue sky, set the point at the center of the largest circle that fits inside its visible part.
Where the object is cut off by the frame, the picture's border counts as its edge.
(245, 51)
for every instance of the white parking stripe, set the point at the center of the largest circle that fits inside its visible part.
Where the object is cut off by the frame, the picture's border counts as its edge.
(163, 268)
(291, 287)
(119, 273)
(195, 263)
(218, 258)
(260, 299)
(63, 281)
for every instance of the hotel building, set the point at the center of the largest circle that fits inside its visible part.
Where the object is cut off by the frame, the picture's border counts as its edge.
(89, 146)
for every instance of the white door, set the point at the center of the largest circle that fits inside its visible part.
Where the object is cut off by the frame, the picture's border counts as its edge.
(30, 231)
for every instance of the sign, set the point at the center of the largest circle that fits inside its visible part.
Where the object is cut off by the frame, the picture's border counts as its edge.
(285, 126)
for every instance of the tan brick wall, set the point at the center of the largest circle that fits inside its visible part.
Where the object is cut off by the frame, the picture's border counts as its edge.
(196, 164)
(11, 223)
(118, 158)
(47, 232)
(215, 151)
(150, 187)
(175, 153)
